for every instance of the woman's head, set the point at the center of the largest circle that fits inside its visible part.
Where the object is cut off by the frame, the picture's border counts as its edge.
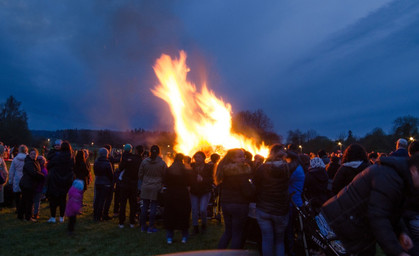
(33, 153)
(66, 147)
(41, 160)
(276, 152)
(178, 158)
(199, 157)
(233, 156)
(355, 152)
(80, 156)
(23, 149)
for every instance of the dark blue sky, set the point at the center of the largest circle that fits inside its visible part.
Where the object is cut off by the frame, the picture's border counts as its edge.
(332, 66)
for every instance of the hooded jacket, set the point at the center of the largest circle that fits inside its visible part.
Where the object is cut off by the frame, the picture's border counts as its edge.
(235, 186)
(32, 175)
(370, 207)
(151, 174)
(346, 173)
(103, 171)
(129, 165)
(16, 171)
(271, 181)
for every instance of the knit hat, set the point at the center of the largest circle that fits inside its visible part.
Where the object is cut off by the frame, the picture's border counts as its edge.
(127, 147)
(317, 162)
(78, 184)
(58, 142)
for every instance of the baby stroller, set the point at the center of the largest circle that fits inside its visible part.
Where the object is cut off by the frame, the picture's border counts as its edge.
(311, 239)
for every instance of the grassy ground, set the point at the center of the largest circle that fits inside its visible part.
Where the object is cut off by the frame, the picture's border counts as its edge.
(92, 238)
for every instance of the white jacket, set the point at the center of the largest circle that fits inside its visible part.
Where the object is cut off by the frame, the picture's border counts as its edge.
(16, 171)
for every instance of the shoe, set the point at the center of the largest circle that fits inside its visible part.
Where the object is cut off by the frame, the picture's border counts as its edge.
(169, 240)
(33, 220)
(152, 230)
(121, 225)
(144, 229)
(61, 219)
(184, 239)
(52, 220)
(131, 225)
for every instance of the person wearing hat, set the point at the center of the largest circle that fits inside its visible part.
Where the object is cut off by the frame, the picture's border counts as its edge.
(128, 184)
(56, 148)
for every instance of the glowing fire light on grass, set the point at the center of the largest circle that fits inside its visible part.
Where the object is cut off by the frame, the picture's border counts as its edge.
(202, 121)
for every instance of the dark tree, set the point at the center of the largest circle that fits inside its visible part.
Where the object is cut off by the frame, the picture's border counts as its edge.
(296, 137)
(377, 140)
(405, 127)
(255, 124)
(13, 123)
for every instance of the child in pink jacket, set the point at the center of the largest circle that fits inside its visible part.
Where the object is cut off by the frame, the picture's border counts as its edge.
(74, 203)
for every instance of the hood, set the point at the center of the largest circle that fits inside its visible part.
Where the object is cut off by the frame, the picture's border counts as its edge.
(20, 156)
(236, 169)
(401, 166)
(353, 164)
(155, 161)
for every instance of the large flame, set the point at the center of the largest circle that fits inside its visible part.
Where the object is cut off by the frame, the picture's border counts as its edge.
(202, 121)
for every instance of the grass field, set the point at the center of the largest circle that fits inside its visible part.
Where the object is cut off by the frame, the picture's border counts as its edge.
(92, 238)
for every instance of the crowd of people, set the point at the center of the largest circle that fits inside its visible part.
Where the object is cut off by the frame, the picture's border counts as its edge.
(360, 199)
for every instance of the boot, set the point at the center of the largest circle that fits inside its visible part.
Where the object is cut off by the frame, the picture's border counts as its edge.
(203, 227)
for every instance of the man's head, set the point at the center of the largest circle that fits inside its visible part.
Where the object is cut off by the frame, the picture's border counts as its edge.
(401, 143)
(413, 148)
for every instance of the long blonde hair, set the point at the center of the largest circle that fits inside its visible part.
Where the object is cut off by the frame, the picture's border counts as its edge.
(227, 159)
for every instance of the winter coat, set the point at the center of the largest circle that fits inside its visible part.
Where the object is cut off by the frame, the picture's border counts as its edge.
(370, 207)
(296, 185)
(199, 188)
(401, 152)
(151, 176)
(41, 185)
(129, 165)
(32, 175)
(177, 204)
(4, 173)
(331, 169)
(271, 181)
(315, 186)
(103, 171)
(16, 171)
(75, 202)
(60, 174)
(235, 186)
(346, 173)
(82, 172)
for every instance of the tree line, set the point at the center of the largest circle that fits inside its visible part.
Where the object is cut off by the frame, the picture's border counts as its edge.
(14, 130)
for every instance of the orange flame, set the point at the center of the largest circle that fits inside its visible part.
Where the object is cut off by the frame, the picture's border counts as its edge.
(202, 121)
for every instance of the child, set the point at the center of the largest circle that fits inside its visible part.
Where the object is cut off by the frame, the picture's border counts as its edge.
(41, 188)
(74, 203)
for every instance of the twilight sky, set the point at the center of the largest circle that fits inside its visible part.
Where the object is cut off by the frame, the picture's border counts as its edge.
(331, 66)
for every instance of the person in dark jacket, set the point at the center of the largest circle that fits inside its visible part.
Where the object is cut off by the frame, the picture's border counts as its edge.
(315, 183)
(272, 199)
(60, 177)
(401, 149)
(32, 176)
(333, 166)
(81, 169)
(114, 158)
(369, 209)
(411, 209)
(103, 185)
(233, 176)
(177, 204)
(201, 186)
(354, 161)
(128, 178)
